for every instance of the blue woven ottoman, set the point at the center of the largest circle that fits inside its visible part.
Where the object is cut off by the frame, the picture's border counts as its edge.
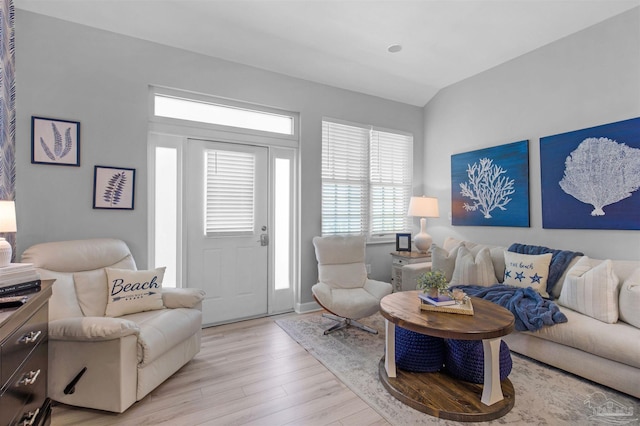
(464, 359)
(417, 352)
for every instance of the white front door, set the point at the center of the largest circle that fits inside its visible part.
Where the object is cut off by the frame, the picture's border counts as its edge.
(227, 236)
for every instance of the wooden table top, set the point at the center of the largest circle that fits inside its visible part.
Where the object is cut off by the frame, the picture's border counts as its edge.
(488, 321)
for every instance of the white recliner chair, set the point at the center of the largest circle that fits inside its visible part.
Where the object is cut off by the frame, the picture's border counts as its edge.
(343, 288)
(109, 362)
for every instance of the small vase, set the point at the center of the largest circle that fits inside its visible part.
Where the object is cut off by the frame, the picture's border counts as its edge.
(433, 293)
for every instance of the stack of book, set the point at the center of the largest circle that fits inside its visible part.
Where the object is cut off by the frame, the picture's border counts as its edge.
(18, 278)
(441, 300)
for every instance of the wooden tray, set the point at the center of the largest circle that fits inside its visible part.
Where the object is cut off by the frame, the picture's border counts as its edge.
(464, 309)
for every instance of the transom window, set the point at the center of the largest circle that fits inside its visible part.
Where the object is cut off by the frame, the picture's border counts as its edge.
(225, 115)
(366, 180)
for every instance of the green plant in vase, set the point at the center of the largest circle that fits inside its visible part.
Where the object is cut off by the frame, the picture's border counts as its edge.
(433, 283)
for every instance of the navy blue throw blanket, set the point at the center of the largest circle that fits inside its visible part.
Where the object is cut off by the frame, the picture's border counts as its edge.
(560, 259)
(530, 310)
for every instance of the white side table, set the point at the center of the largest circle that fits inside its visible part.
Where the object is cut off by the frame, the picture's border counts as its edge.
(399, 259)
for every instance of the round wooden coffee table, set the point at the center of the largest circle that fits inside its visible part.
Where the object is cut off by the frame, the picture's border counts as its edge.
(440, 394)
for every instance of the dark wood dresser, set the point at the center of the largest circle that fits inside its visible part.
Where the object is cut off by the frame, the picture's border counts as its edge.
(24, 361)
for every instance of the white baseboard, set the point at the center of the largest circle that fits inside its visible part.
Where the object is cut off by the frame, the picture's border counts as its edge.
(303, 308)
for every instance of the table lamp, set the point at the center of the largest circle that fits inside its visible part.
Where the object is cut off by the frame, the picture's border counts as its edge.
(7, 224)
(423, 207)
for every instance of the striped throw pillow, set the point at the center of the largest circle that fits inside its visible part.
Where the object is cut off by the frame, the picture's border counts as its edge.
(473, 271)
(591, 290)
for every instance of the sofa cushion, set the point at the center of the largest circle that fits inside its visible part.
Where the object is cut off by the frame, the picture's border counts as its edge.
(133, 291)
(497, 253)
(630, 299)
(63, 302)
(591, 290)
(474, 270)
(527, 270)
(92, 292)
(161, 330)
(619, 342)
(444, 260)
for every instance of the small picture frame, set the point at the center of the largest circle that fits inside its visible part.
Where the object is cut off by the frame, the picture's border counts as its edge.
(55, 141)
(403, 242)
(113, 187)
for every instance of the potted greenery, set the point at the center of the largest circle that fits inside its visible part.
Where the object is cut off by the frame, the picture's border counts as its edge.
(432, 283)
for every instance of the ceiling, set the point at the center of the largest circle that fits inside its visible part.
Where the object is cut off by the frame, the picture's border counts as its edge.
(343, 43)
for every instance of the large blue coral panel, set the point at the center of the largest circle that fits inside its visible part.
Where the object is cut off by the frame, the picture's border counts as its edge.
(513, 161)
(609, 173)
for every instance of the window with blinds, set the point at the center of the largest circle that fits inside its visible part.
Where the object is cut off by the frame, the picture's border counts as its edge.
(366, 180)
(229, 190)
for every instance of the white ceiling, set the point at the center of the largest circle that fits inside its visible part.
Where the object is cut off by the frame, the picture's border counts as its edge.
(344, 43)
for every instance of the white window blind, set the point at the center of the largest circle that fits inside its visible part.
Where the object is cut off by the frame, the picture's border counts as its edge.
(229, 190)
(366, 180)
(390, 184)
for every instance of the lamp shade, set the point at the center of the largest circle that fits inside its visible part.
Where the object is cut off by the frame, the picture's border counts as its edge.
(423, 207)
(8, 216)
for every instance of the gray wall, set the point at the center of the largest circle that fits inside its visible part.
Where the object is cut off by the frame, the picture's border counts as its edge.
(101, 79)
(584, 80)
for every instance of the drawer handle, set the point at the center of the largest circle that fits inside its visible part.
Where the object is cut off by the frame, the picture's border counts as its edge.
(29, 378)
(29, 418)
(30, 337)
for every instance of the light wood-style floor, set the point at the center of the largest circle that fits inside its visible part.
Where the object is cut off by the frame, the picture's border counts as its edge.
(247, 373)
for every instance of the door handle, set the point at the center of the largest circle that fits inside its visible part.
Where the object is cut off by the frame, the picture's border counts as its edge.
(264, 239)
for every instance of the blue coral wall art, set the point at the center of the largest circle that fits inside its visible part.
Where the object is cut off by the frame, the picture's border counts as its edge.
(590, 177)
(490, 187)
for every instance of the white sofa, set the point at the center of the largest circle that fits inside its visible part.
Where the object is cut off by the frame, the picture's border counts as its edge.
(605, 353)
(115, 360)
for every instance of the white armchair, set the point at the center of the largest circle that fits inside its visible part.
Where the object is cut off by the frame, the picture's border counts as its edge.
(343, 288)
(104, 362)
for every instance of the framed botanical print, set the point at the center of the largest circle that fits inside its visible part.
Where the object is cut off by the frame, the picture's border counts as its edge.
(113, 188)
(55, 141)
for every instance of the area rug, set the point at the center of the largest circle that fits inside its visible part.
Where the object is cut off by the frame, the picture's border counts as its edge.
(544, 395)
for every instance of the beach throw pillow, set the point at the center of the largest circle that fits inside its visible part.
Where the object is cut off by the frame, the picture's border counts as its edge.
(591, 290)
(92, 292)
(444, 260)
(630, 299)
(476, 270)
(527, 270)
(133, 291)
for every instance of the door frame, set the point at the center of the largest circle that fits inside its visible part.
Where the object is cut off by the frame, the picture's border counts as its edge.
(175, 133)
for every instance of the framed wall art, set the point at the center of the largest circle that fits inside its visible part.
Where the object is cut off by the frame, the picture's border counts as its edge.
(490, 187)
(55, 141)
(590, 177)
(113, 188)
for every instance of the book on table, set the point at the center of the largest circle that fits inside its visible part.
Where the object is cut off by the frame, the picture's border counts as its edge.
(441, 300)
(20, 288)
(18, 278)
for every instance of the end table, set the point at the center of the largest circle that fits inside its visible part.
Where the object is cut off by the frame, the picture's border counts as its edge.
(402, 258)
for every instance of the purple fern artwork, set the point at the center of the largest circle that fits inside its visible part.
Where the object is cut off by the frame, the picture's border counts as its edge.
(55, 142)
(113, 188)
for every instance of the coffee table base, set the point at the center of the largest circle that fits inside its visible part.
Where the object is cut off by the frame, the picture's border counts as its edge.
(441, 395)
